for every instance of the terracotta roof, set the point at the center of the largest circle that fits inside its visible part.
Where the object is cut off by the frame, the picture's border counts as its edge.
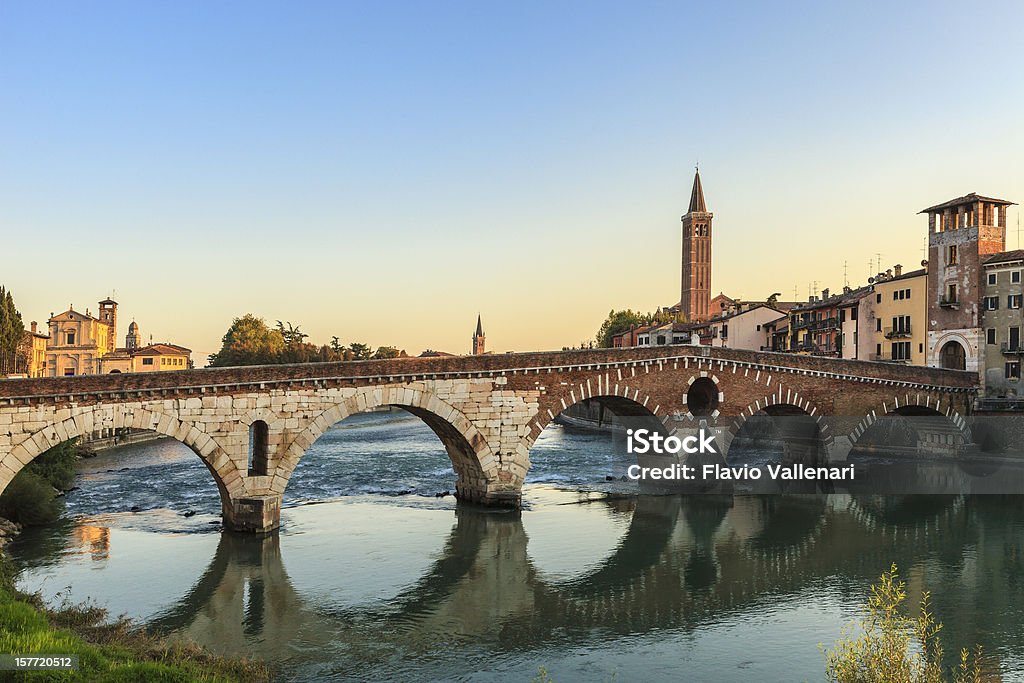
(1006, 256)
(971, 198)
(161, 350)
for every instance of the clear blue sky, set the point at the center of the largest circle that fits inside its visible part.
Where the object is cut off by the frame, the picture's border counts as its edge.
(383, 171)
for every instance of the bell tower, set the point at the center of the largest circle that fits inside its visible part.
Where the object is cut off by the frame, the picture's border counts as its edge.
(478, 338)
(695, 296)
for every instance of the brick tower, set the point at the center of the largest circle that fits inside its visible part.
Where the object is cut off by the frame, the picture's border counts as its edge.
(478, 338)
(695, 298)
(962, 233)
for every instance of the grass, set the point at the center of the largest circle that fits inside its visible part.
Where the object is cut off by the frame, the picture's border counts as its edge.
(108, 652)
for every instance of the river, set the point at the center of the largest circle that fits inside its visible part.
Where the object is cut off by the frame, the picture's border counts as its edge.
(374, 577)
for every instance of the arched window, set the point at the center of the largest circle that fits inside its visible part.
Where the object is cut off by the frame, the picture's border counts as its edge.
(258, 439)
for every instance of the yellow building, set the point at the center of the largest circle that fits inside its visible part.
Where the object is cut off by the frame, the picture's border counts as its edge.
(80, 344)
(78, 340)
(900, 309)
(33, 352)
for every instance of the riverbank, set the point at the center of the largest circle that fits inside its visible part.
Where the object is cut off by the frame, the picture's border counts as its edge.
(107, 651)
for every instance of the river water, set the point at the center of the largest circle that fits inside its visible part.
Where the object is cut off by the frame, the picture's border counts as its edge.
(374, 577)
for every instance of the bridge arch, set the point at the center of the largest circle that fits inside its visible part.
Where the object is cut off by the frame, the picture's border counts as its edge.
(471, 455)
(230, 483)
(913, 405)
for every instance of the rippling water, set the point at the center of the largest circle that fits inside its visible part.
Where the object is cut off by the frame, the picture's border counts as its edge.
(386, 581)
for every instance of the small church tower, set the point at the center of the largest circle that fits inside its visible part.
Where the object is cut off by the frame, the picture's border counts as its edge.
(133, 340)
(108, 316)
(695, 296)
(478, 338)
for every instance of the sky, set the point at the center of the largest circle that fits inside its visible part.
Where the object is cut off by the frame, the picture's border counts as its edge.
(382, 172)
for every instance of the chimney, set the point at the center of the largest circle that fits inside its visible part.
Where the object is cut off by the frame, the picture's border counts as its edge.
(824, 294)
(34, 327)
(898, 269)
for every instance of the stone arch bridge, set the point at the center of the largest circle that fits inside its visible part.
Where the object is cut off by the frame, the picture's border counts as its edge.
(252, 425)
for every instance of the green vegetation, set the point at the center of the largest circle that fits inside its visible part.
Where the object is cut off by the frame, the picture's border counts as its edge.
(894, 647)
(107, 652)
(618, 322)
(250, 341)
(31, 498)
(12, 333)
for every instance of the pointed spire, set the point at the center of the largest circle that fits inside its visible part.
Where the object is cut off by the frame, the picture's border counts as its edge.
(479, 326)
(697, 195)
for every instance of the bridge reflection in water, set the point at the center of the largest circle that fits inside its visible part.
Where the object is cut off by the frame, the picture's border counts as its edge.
(681, 563)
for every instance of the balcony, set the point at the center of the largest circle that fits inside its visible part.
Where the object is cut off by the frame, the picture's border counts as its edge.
(708, 333)
(897, 332)
(825, 324)
(949, 302)
(1011, 349)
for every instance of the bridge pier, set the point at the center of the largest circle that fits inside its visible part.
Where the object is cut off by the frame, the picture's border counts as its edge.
(253, 514)
(501, 492)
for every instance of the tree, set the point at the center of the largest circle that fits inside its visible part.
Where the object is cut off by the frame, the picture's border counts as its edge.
(360, 351)
(892, 646)
(387, 352)
(249, 342)
(618, 322)
(12, 332)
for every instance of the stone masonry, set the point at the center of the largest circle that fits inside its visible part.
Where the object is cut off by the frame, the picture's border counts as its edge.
(486, 410)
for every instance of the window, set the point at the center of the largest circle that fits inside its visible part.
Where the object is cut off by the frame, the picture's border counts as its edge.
(896, 294)
(1013, 301)
(878, 324)
(147, 361)
(1014, 338)
(69, 372)
(661, 340)
(878, 349)
(901, 350)
(990, 335)
(1015, 277)
(70, 338)
(901, 324)
(991, 303)
(258, 440)
(853, 314)
(951, 292)
(991, 278)
(758, 328)
(878, 298)
(951, 255)
(906, 292)
(1013, 369)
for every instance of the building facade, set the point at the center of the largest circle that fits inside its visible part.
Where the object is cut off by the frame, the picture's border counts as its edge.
(1003, 322)
(899, 316)
(82, 344)
(961, 234)
(31, 357)
(695, 295)
(78, 341)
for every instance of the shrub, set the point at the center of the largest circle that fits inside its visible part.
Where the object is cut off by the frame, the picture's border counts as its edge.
(29, 500)
(895, 647)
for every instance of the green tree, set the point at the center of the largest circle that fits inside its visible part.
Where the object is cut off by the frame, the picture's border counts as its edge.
(249, 342)
(387, 352)
(12, 332)
(360, 351)
(618, 322)
(31, 497)
(894, 647)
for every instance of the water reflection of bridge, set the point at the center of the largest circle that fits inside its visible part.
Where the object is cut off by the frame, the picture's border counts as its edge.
(681, 562)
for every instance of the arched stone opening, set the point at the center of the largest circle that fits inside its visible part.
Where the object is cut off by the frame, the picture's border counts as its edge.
(953, 356)
(478, 477)
(702, 397)
(91, 420)
(778, 434)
